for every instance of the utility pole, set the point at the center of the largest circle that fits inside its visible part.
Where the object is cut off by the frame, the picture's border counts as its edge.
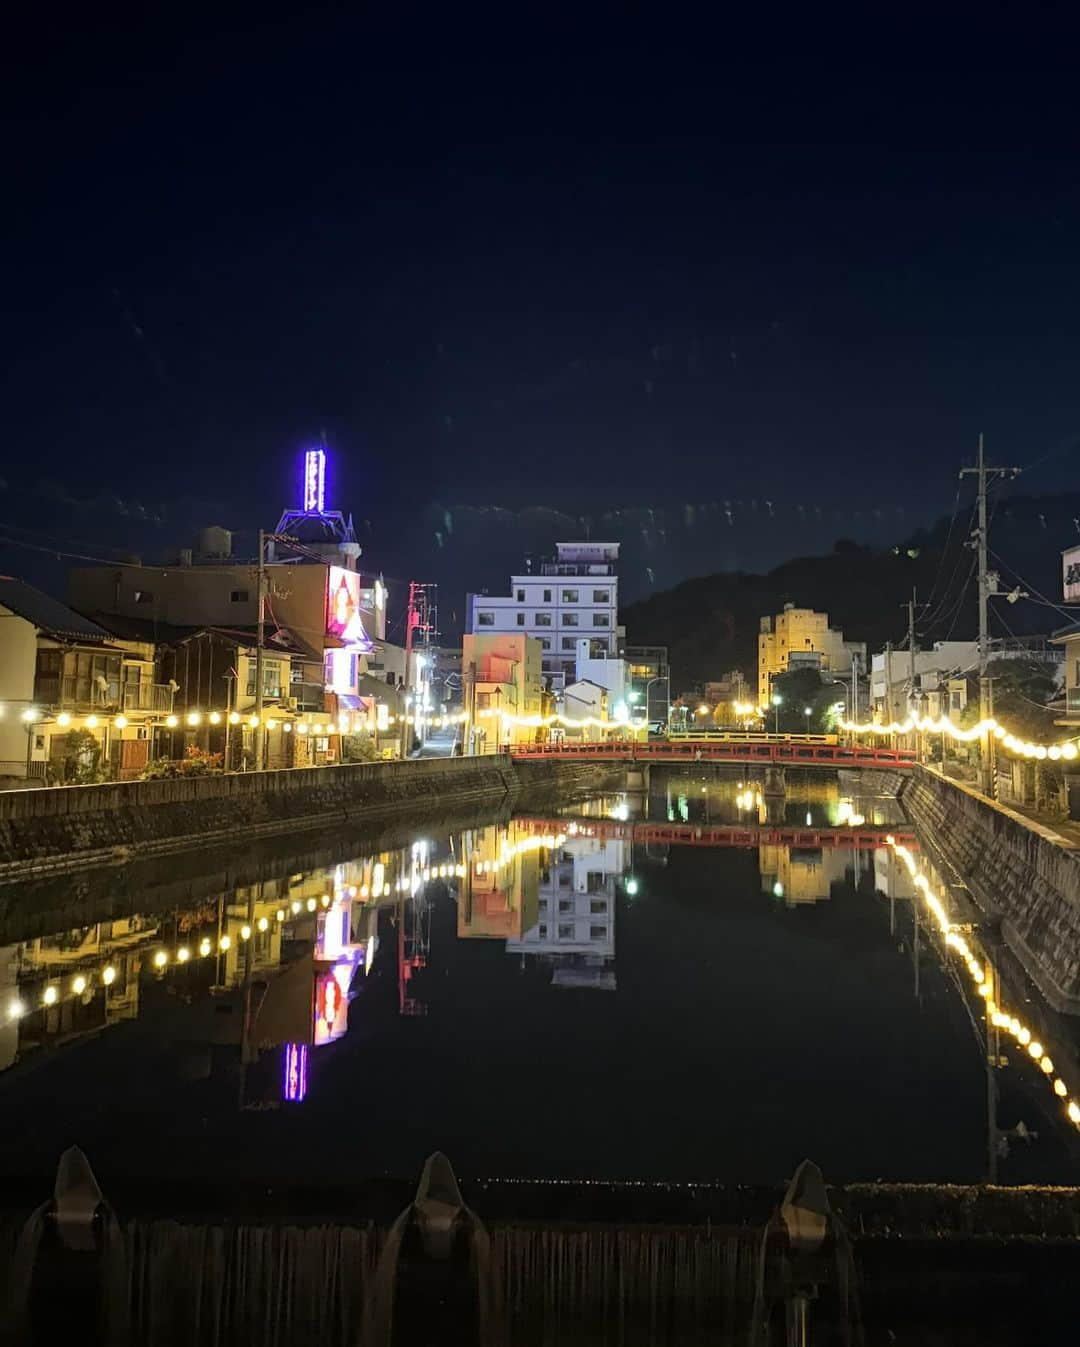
(912, 698)
(261, 618)
(987, 585)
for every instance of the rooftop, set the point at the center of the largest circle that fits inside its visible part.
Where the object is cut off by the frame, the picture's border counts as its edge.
(49, 615)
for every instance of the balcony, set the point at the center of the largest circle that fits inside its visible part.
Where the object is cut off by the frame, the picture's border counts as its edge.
(154, 697)
(585, 568)
(308, 696)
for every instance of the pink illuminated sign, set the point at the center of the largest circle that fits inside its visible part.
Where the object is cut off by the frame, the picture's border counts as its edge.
(294, 1082)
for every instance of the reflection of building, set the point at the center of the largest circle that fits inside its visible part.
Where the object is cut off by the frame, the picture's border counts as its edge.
(799, 638)
(498, 897)
(576, 912)
(801, 874)
(574, 596)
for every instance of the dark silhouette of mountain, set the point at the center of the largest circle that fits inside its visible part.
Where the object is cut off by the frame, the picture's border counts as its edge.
(710, 624)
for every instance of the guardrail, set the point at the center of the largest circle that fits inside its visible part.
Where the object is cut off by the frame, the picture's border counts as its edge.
(780, 752)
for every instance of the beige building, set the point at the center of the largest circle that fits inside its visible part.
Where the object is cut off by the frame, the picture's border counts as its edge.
(800, 638)
(502, 676)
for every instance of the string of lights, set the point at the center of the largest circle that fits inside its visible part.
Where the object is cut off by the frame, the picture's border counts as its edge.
(924, 724)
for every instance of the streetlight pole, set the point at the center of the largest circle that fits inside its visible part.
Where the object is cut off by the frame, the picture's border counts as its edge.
(776, 712)
(259, 633)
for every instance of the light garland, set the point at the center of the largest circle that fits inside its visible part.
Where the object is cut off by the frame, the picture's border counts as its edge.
(1067, 749)
(984, 986)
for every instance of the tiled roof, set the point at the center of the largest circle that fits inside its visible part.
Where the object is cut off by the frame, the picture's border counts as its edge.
(48, 614)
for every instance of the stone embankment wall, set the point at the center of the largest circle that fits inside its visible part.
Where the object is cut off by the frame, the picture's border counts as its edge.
(80, 825)
(1017, 871)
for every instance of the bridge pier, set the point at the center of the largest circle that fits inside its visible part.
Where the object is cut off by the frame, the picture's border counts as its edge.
(775, 781)
(637, 777)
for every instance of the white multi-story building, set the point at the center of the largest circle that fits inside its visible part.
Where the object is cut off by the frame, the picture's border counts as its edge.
(572, 598)
(576, 913)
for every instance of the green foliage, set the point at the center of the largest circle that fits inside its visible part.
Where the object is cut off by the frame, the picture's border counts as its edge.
(358, 748)
(80, 764)
(799, 689)
(195, 762)
(1021, 689)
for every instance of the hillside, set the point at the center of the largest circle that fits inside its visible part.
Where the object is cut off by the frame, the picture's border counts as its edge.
(710, 624)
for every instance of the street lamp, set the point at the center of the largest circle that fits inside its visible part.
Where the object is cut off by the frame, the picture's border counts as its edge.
(776, 701)
(808, 711)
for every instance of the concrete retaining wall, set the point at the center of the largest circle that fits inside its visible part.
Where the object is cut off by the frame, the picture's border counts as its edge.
(80, 825)
(1018, 871)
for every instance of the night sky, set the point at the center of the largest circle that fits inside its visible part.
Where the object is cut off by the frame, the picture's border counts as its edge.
(625, 261)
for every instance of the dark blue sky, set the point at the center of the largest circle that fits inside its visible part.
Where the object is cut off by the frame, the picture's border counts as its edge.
(632, 260)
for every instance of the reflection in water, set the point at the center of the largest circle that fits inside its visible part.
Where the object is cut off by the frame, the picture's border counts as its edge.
(259, 983)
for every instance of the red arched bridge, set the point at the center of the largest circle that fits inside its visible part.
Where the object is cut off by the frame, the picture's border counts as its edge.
(865, 836)
(778, 753)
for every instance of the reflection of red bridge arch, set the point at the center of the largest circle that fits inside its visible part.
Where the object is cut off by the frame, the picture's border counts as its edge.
(778, 752)
(719, 835)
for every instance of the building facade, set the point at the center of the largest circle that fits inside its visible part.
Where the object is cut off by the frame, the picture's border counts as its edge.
(801, 638)
(573, 597)
(503, 686)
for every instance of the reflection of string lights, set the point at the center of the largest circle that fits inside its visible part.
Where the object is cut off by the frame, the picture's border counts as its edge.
(1022, 747)
(999, 1018)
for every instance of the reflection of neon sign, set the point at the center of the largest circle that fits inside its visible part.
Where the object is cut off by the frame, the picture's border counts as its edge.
(294, 1083)
(315, 481)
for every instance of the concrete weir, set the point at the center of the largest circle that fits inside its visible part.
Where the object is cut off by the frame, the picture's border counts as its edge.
(1018, 872)
(70, 827)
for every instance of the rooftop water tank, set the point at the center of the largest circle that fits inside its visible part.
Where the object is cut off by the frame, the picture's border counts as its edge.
(215, 542)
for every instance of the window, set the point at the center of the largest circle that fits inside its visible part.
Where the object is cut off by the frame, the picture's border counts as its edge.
(87, 678)
(271, 678)
(483, 701)
(545, 642)
(594, 881)
(601, 620)
(547, 595)
(566, 932)
(543, 932)
(598, 907)
(564, 881)
(144, 596)
(239, 596)
(566, 905)
(485, 619)
(521, 596)
(521, 619)
(569, 596)
(601, 596)
(542, 619)
(569, 619)
(542, 906)
(569, 643)
(597, 932)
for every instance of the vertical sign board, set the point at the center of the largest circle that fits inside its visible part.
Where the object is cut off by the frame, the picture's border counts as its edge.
(315, 481)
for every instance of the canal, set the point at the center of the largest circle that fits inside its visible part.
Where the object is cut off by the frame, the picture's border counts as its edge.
(694, 982)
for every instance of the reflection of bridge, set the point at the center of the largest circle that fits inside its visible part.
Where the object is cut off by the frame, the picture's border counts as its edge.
(720, 835)
(769, 752)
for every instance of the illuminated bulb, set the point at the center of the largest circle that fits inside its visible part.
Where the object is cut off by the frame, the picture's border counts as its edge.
(985, 989)
(325, 900)
(295, 906)
(1060, 1089)
(193, 718)
(364, 891)
(16, 1008)
(160, 959)
(245, 932)
(49, 996)
(280, 914)
(1046, 1066)
(183, 954)
(311, 904)
(214, 718)
(301, 728)
(234, 717)
(1074, 1112)
(263, 924)
(91, 722)
(108, 975)
(224, 943)
(78, 985)
(204, 947)
(1068, 751)
(120, 722)
(171, 722)
(287, 727)
(1035, 1049)
(253, 721)
(1024, 1036)
(271, 724)
(63, 719)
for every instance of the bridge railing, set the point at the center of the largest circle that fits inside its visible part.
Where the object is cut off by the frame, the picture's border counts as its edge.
(778, 751)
